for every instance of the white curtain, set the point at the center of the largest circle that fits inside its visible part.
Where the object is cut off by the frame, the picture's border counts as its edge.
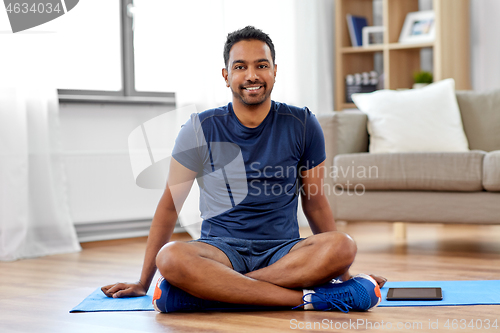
(485, 44)
(34, 212)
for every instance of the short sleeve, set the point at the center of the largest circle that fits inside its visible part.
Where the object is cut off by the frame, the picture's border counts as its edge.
(314, 143)
(189, 145)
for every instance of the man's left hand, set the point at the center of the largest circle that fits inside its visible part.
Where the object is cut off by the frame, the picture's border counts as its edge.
(380, 280)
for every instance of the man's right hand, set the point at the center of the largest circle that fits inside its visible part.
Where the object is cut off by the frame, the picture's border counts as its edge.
(124, 290)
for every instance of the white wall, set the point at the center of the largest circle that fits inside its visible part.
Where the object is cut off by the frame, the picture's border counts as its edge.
(485, 44)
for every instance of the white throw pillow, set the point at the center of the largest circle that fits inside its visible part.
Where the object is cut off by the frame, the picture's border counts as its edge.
(416, 120)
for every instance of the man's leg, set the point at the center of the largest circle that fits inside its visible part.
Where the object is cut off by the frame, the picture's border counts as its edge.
(313, 261)
(205, 271)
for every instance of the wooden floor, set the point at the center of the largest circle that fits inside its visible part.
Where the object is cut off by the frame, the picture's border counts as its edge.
(36, 295)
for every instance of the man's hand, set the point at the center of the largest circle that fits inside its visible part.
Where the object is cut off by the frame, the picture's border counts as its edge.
(124, 290)
(379, 279)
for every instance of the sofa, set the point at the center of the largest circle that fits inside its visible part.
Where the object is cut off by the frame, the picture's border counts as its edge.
(443, 187)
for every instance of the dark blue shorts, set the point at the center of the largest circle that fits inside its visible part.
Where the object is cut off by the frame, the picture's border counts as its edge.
(250, 255)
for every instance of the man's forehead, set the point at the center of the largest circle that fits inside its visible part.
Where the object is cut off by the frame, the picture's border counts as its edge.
(250, 50)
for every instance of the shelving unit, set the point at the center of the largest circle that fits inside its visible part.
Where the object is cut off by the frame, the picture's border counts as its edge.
(451, 47)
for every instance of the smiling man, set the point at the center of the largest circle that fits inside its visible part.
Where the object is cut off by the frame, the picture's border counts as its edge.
(250, 254)
(250, 75)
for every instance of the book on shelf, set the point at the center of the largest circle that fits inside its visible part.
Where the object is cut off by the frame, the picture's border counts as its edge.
(356, 25)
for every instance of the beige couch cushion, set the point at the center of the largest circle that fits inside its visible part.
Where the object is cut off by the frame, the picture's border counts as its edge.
(491, 171)
(481, 118)
(410, 171)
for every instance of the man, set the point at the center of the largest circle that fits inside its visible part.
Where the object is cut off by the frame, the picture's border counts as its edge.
(250, 254)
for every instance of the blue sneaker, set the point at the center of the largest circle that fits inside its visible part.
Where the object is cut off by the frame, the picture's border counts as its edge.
(360, 293)
(168, 298)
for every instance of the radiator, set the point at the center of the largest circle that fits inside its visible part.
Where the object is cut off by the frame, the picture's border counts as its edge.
(91, 232)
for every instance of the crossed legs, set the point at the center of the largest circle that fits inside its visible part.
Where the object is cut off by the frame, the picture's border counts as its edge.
(205, 271)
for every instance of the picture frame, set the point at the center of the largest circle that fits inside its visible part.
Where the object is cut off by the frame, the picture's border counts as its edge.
(419, 27)
(373, 35)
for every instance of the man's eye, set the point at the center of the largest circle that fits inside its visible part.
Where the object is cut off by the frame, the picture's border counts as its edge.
(263, 66)
(238, 67)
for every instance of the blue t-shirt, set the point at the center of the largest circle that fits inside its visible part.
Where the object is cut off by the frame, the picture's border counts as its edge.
(248, 177)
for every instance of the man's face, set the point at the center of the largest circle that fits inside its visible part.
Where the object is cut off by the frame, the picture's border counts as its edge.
(250, 72)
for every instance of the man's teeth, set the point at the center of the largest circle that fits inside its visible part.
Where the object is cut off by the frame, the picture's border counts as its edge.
(252, 88)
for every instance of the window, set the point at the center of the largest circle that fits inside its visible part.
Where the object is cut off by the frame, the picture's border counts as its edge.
(89, 50)
(154, 52)
(97, 54)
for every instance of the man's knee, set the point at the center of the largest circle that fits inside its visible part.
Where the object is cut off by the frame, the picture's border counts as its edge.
(338, 248)
(172, 259)
(347, 246)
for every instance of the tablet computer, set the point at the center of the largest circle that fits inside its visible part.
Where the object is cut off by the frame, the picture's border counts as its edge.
(414, 294)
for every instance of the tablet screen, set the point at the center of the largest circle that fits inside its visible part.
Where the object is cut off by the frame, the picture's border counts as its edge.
(414, 294)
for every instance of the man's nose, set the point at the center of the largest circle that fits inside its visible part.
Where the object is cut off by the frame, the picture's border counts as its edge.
(251, 74)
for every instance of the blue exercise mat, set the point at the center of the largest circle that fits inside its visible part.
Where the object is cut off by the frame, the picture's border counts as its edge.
(97, 302)
(454, 292)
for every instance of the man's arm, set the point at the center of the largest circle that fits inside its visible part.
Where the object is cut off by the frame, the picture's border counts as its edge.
(314, 201)
(318, 211)
(180, 180)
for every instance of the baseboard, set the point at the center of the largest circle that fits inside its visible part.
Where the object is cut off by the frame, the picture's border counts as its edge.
(99, 231)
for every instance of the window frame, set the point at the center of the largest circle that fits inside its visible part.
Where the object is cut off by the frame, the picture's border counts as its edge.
(127, 94)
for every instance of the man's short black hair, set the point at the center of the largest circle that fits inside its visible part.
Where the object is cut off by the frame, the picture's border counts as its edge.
(247, 33)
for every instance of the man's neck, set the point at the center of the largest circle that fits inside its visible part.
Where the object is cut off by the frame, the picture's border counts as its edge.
(251, 115)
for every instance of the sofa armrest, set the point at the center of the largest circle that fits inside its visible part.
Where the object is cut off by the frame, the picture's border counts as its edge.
(345, 132)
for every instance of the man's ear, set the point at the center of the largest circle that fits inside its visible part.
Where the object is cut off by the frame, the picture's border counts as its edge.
(224, 75)
(275, 70)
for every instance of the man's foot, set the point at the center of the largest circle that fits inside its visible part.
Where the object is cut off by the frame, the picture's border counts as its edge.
(168, 298)
(360, 293)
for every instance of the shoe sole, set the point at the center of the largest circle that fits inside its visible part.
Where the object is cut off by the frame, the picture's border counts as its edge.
(157, 294)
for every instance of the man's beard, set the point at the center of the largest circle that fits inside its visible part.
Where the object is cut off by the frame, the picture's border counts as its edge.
(252, 101)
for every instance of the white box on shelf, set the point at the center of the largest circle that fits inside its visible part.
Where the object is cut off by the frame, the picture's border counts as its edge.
(373, 35)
